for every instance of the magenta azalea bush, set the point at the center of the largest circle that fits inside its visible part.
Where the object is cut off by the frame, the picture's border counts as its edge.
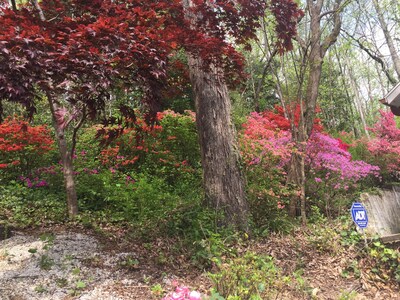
(329, 163)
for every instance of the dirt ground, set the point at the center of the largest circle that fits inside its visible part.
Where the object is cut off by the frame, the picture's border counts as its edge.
(73, 263)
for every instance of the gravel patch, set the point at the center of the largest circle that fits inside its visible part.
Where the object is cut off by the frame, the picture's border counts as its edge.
(62, 266)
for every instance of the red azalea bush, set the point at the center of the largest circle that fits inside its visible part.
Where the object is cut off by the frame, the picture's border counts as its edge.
(278, 118)
(22, 146)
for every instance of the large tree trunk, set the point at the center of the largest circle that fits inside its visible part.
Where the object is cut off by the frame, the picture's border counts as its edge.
(66, 160)
(222, 177)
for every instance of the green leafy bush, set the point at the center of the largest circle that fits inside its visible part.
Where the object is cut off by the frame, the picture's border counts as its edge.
(252, 277)
(268, 197)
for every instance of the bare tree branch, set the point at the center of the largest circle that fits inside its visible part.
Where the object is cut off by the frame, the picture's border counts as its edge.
(38, 9)
(373, 56)
(337, 21)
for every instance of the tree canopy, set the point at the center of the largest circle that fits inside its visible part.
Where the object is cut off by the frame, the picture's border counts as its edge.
(83, 50)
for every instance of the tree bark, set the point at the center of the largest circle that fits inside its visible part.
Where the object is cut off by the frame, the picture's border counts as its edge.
(13, 5)
(297, 176)
(66, 160)
(222, 177)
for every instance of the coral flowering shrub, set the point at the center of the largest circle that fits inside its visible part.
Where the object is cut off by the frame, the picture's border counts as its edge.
(265, 149)
(168, 148)
(22, 145)
(262, 137)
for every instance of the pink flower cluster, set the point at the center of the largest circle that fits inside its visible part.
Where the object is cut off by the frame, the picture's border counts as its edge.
(183, 293)
(33, 183)
(385, 146)
(324, 155)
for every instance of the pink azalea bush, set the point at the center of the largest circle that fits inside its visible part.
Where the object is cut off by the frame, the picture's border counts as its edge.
(183, 293)
(267, 147)
(384, 147)
(327, 158)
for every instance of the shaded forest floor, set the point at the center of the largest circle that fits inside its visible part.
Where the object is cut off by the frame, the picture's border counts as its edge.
(71, 262)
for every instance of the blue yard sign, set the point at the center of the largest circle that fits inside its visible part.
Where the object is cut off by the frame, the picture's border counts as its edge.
(359, 214)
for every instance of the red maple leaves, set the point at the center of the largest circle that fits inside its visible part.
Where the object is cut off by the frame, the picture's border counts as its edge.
(85, 49)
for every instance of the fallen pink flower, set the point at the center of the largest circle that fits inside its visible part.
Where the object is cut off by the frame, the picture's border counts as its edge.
(194, 295)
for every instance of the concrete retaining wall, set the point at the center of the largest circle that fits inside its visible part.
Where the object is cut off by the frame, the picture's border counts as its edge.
(383, 211)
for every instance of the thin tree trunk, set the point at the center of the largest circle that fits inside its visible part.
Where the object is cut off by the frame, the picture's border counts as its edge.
(388, 38)
(66, 156)
(356, 130)
(358, 100)
(38, 9)
(261, 81)
(66, 160)
(383, 85)
(13, 5)
(314, 55)
(296, 176)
